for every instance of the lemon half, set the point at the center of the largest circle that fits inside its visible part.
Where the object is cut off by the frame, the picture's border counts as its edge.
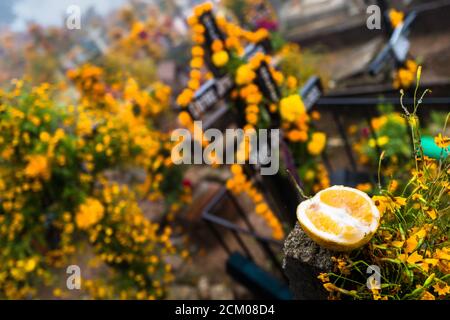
(339, 218)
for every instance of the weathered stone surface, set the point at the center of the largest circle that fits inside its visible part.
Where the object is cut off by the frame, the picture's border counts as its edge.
(302, 263)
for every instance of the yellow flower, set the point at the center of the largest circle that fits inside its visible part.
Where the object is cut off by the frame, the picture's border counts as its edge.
(244, 75)
(442, 254)
(442, 141)
(197, 51)
(220, 58)
(44, 136)
(432, 213)
(411, 65)
(291, 107)
(236, 169)
(397, 244)
(217, 45)
(254, 98)
(7, 153)
(252, 118)
(193, 84)
(315, 115)
(414, 258)
(261, 208)
(57, 292)
(393, 185)
(30, 264)
(197, 63)
(323, 277)
(330, 287)
(195, 74)
(37, 167)
(89, 213)
(379, 122)
(365, 187)
(381, 141)
(185, 97)
(317, 143)
(184, 118)
(388, 203)
(414, 239)
(396, 17)
(297, 135)
(18, 274)
(99, 147)
(404, 78)
(427, 296)
(441, 289)
(291, 82)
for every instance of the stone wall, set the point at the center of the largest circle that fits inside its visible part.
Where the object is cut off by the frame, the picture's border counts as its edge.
(303, 261)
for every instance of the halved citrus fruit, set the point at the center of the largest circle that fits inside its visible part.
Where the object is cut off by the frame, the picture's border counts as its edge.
(339, 218)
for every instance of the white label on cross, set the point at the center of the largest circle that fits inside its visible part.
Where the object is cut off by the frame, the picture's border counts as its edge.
(311, 97)
(268, 82)
(223, 85)
(203, 103)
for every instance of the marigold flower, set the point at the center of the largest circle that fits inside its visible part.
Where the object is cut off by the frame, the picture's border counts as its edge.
(197, 51)
(291, 82)
(194, 84)
(44, 136)
(195, 74)
(244, 75)
(396, 17)
(197, 63)
(38, 166)
(185, 97)
(297, 135)
(291, 107)
(192, 20)
(254, 98)
(220, 58)
(185, 119)
(217, 45)
(317, 143)
(89, 213)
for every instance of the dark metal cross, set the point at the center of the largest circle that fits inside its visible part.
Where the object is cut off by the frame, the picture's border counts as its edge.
(395, 52)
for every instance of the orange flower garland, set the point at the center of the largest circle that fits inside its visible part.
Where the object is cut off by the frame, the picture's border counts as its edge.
(239, 184)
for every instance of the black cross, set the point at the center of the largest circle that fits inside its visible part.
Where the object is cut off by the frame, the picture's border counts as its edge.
(218, 88)
(210, 94)
(396, 50)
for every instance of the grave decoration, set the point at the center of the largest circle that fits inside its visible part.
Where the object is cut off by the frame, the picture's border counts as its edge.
(259, 94)
(242, 73)
(408, 256)
(395, 53)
